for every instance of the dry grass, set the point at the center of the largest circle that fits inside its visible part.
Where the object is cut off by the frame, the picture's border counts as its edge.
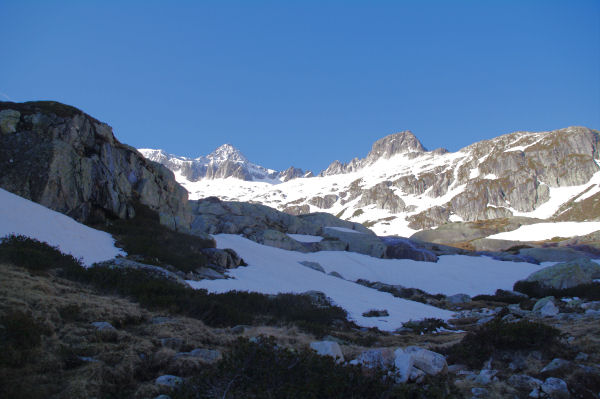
(126, 361)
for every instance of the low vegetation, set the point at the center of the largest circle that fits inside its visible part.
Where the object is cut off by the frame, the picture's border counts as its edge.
(497, 335)
(261, 369)
(219, 310)
(153, 243)
(425, 326)
(536, 290)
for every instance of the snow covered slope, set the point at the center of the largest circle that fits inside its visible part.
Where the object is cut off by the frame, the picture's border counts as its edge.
(400, 187)
(21, 216)
(273, 270)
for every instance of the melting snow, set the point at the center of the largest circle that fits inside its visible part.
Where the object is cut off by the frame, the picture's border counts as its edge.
(21, 216)
(273, 270)
(305, 238)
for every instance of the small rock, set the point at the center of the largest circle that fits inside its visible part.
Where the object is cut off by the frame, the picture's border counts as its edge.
(546, 307)
(207, 355)
(485, 377)
(554, 386)
(239, 329)
(376, 358)
(168, 380)
(480, 392)
(9, 119)
(581, 357)
(376, 313)
(430, 362)
(556, 364)
(535, 393)
(524, 382)
(328, 348)
(335, 274)
(103, 326)
(163, 397)
(313, 265)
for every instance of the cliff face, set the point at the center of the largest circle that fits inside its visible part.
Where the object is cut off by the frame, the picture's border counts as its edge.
(66, 160)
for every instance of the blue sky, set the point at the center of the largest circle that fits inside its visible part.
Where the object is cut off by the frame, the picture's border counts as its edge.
(306, 82)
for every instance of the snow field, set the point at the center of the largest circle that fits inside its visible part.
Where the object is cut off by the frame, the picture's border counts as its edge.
(21, 216)
(546, 231)
(273, 270)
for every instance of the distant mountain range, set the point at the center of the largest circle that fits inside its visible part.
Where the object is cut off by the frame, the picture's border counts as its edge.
(226, 161)
(400, 187)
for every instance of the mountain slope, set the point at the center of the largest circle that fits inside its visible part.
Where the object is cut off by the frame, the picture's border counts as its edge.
(400, 187)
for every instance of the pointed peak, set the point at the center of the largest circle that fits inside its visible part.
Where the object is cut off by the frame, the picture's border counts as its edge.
(227, 152)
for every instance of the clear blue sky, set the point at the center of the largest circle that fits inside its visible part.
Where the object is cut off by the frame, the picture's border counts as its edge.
(307, 82)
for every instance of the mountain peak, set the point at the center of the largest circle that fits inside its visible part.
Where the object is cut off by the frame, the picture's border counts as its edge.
(227, 152)
(397, 143)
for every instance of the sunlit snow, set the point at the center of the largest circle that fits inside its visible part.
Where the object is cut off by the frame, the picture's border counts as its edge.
(546, 231)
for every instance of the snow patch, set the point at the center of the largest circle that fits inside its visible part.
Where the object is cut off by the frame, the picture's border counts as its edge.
(21, 216)
(305, 238)
(546, 231)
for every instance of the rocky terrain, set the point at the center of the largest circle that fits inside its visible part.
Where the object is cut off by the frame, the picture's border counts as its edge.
(400, 188)
(330, 310)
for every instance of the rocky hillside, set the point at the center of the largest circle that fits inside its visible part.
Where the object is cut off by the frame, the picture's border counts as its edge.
(226, 161)
(66, 160)
(400, 187)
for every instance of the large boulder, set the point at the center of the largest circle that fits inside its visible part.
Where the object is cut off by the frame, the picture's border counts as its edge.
(567, 274)
(66, 160)
(356, 241)
(428, 361)
(552, 254)
(404, 248)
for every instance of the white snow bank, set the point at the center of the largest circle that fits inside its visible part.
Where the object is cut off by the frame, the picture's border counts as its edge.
(21, 216)
(546, 231)
(305, 238)
(344, 229)
(273, 270)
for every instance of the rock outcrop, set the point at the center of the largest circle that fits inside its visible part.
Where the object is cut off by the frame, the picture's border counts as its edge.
(567, 274)
(66, 160)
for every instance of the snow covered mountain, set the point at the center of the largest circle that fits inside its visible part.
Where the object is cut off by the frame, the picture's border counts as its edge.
(226, 161)
(400, 187)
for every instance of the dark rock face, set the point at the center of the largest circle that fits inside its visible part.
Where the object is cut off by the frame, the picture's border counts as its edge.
(66, 160)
